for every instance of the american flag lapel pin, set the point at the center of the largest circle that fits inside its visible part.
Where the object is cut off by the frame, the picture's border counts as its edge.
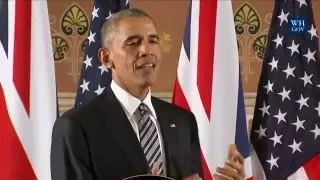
(172, 125)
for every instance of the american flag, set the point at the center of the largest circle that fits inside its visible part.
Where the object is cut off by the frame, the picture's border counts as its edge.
(28, 102)
(285, 133)
(95, 76)
(209, 84)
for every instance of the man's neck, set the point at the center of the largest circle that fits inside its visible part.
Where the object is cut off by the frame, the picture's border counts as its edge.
(138, 92)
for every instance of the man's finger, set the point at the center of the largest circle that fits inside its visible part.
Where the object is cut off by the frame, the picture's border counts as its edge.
(221, 177)
(231, 150)
(155, 170)
(234, 154)
(229, 173)
(230, 167)
(235, 166)
(239, 158)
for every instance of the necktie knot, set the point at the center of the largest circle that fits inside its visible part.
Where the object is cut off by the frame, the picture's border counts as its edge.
(143, 109)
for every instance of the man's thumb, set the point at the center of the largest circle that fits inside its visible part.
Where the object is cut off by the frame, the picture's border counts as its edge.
(155, 170)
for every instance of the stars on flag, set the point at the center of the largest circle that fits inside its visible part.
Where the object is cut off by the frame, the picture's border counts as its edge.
(310, 55)
(273, 161)
(280, 116)
(99, 90)
(285, 94)
(85, 86)
(264, 109)
(287, 114)
(109, 15)
(283, 17)
(95, 77)
(316, 132)
(299, 124)
(313, 32)
(269, 86)
(306, 79)
(103, 69)
(289, 71)
(302, 2)
(276, 139)
(87, 62)
(278, 40)
(318, 109)
(295, 146)
(294, 48)
(91, 37)
(95, 13)
(274, 64)
(302, 101)
(261, 132)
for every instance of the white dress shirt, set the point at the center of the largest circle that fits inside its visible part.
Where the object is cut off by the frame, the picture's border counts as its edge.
(130, 105)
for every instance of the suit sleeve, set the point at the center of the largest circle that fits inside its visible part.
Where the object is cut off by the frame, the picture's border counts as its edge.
(69, 152)
(195, 145)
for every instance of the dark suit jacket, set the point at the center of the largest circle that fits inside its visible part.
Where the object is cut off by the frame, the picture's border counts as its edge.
(97, 142)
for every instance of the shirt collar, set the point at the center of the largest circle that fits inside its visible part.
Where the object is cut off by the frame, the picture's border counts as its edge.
(129, 102)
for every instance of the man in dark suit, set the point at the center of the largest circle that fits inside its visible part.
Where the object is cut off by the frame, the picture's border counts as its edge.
(125, 131)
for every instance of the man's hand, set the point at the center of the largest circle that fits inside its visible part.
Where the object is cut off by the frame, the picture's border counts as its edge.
(155, 170)
(233, 168)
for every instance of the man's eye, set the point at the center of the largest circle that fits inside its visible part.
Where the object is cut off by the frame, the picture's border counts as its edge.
(131, 43)
(155, 41)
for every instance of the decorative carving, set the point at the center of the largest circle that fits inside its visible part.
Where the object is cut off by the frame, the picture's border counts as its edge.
(260, 45)
(59, 47)
(74, 18)
(246, 15)
(165, 42)
(52, 19)
(252, 41)
(70, 39)
(84, 45)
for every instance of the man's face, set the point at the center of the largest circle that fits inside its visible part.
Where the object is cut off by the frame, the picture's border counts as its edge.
(135, 52)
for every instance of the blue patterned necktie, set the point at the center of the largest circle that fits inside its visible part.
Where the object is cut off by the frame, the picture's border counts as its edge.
(149, 139)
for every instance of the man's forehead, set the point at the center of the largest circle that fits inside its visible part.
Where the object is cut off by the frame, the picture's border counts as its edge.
(134, 25)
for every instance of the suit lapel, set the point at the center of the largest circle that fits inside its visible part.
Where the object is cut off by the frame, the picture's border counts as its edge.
(120, 127)
(169, 136)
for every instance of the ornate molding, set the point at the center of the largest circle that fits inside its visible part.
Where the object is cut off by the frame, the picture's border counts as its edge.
(250, 101)
(66, 101)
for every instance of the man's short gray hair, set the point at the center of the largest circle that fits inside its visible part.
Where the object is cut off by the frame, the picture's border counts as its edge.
(109, 27)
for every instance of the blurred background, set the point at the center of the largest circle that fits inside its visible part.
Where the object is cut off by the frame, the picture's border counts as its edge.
(252, 21)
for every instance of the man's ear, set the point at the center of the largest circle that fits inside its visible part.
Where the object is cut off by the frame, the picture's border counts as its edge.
(104, 57)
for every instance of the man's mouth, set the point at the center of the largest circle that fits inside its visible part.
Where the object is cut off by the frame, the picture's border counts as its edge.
(146, 65)
(149, 65)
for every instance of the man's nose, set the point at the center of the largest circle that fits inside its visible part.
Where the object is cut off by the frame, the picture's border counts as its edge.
(144, 49)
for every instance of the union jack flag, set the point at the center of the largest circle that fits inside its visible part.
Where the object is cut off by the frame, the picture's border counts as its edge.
(28, 104)
(209, 84)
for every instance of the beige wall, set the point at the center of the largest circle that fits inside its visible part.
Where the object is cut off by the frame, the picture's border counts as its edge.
(170, 17)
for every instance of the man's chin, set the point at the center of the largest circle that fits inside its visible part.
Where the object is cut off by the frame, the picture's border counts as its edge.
(147, 83)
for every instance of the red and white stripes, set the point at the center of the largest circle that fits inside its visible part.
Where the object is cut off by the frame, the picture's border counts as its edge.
(27, 93)
(207, 82)
(206, 39)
